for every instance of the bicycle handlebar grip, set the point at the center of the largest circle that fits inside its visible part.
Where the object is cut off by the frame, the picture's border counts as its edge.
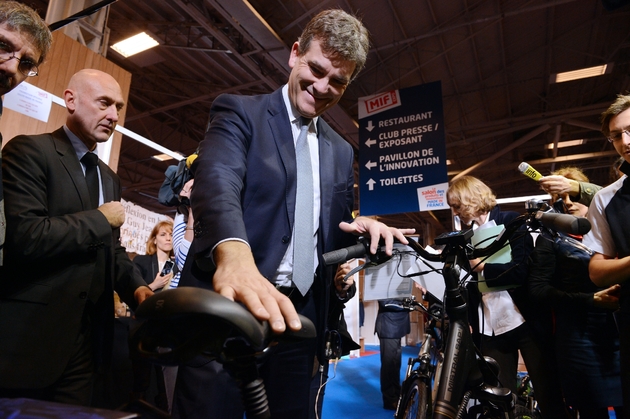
(341, 255)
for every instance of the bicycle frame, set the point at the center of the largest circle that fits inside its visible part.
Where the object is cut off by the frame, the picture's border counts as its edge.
(464, 374)
(425, 368)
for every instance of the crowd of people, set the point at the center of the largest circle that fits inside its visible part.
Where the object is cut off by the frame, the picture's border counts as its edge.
(273, 190)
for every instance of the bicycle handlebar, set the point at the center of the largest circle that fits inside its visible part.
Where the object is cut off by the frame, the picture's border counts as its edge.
(358, 250)
(536, 220)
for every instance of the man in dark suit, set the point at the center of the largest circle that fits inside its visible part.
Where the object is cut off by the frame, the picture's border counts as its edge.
(24, 42)
(244, 203)
(63, 254)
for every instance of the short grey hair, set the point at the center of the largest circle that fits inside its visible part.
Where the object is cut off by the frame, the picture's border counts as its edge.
(341, 35)
(21, 18)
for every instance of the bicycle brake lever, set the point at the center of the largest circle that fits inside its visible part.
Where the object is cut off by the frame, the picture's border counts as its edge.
(378, 258)
(468, 248)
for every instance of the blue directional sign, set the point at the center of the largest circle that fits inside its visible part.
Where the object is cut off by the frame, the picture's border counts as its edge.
(402, 151)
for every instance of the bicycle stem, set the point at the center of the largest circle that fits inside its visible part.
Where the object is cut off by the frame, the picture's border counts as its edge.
(460, 369)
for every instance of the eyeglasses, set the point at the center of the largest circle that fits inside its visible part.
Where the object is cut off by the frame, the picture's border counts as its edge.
(26, 67)
(616, 136)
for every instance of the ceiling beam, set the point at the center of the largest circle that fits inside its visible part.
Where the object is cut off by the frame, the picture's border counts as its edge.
(192, 100)
(495, 156)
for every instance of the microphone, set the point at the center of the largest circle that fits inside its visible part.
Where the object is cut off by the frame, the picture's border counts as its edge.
(529, 171)
(564, 223)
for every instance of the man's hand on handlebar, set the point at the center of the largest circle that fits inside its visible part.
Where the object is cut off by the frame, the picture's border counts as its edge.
(377, 230)
(238, 279)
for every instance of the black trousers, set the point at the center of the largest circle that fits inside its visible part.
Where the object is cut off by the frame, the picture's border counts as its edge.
(504, 349)
(622, 317)
(74, 386)
(391, 353)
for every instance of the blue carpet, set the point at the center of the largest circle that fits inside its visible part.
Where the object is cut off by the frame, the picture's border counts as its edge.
(355, 391)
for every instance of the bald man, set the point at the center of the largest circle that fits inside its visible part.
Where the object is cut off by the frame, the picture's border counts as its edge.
(63, 253)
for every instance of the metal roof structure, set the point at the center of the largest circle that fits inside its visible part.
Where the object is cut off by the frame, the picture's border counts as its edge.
(495, 60)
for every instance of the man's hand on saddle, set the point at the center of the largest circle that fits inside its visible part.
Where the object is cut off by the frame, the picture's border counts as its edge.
(238, 279)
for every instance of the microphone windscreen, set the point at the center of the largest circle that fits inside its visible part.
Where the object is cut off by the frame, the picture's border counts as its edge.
(564, 223)
(529, 171)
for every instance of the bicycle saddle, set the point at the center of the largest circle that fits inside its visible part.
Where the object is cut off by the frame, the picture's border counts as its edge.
(182, 323)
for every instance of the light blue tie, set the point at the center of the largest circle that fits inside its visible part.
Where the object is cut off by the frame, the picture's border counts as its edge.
(304, 246)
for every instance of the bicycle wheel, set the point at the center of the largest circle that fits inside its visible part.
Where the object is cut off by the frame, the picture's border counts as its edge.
(415, 402)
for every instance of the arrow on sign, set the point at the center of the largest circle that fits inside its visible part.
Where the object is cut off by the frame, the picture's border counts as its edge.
(370, 127)
(370, 184)
(370, 142)
(370, 164)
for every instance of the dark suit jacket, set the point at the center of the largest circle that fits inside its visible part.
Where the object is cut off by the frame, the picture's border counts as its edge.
(245, 186)
(57, 251)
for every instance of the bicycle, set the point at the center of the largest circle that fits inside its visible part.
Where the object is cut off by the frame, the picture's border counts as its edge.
(185, 322)
(423, 370)
(465, 374)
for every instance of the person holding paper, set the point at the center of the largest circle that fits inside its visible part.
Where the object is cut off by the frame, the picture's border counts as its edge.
(498, 314)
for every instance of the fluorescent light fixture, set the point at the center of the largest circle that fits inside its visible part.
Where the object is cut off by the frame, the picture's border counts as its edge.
(581, 73)
(562, 144)
(522, 199)
(165, 157)
(135, 44)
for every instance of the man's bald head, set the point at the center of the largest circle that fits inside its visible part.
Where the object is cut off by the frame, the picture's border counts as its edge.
(94, 100)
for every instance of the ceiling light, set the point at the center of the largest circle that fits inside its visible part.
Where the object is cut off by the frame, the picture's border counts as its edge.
(562, 144)
(165, 157)
(135, 44)
(581, 74)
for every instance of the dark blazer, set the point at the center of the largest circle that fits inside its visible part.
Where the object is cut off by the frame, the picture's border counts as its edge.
(59, 255)
(245, 186)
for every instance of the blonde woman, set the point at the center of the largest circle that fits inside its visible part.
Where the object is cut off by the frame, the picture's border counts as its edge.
(498, 318)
